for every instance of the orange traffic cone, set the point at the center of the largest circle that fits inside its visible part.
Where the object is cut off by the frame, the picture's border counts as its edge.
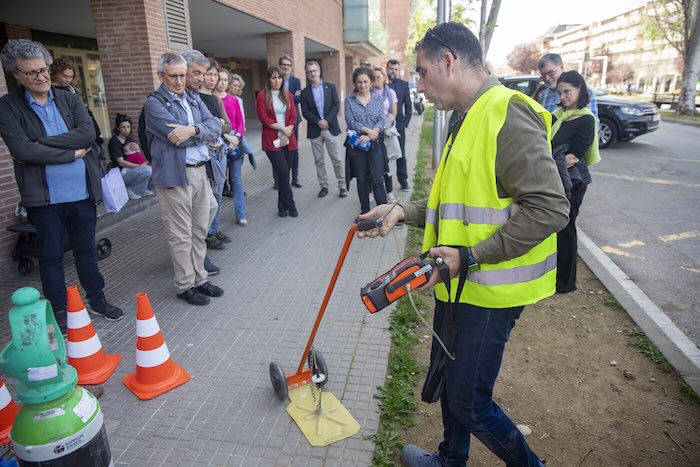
(156, 373)
(8, 411)
(83, 347)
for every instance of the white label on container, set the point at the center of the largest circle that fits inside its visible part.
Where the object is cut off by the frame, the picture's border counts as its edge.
(40, 373)
(48, 414)
(86, 407)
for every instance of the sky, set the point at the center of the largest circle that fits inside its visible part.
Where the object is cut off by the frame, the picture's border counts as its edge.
(524, 20)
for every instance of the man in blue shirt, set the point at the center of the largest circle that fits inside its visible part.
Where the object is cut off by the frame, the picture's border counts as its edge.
(551, 67)
(320, 105)
(51, 138)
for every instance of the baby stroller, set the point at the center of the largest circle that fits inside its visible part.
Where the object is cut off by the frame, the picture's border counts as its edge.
(26, 247)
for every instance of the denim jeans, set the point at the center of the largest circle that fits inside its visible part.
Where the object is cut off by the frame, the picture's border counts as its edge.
(218, 189)
(52, 222)
(368, 168)
(467, 403)
(236, 182)
(137, 179)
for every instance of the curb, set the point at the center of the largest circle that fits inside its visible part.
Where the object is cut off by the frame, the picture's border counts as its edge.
(680, 122)
(678, 349)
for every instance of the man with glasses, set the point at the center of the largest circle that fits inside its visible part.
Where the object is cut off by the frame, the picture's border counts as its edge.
(179, 128)
(498, 201)
(293, 85)
(551, 67)
(51, 138)
(404, 110)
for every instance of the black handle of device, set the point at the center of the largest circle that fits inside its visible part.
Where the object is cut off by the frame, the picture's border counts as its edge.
(369, 224)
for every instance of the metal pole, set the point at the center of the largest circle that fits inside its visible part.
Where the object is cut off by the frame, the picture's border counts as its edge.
(438, 121)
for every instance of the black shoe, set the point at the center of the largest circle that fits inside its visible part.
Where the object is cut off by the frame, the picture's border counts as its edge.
(100, 306)
(293, 213)
(405, 188)
(210, 267)
(210, 290)
(193, 297)
(295, 183)
(283, 213)
(323, 192)
(343, 193)
(214, 243)
(222, 237)
(227, 194)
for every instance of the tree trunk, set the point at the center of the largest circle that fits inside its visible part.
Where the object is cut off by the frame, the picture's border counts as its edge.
(491, 25)
(691, 65)
(482, 23)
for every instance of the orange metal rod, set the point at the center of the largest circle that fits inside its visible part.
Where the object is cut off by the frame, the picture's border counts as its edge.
(329, 292)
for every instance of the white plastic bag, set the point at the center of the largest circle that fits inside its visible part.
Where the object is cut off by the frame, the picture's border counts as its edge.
(114, 193)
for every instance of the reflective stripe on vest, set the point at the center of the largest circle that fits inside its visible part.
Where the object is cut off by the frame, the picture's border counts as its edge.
(514, 275)
(472, 214)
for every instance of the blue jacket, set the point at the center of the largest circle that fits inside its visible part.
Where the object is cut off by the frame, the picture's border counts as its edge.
(404, 108)
(294, 86)
(168, 160)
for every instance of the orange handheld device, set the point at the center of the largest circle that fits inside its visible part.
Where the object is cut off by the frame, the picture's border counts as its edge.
(389, 287)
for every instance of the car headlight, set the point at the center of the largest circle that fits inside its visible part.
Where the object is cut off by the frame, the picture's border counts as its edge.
(632, 110)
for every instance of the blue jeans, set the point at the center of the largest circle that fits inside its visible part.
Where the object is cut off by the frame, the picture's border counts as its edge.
(137, 179)
(467, 403)
(52, 222)
(236, 182)
(218, 189)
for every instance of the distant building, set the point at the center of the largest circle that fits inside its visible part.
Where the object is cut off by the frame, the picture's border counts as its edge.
(615, 53)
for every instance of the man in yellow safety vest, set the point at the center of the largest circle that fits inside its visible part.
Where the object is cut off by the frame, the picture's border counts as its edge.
(497, 201)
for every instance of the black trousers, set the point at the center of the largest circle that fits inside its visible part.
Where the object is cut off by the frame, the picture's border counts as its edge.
(281, 163)
(567, 249)
(401, 170)
(368, 168)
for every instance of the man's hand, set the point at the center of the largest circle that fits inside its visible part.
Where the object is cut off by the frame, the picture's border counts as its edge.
(571, 160)
(450, 256)
(397, 214)
(80, 153)
(323, 124)
(180, 133)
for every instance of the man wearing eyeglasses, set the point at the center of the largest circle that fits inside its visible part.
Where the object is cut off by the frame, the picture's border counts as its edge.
(403, 117)
(497, 202)
(51, 138)
(179, 128)
(551, 67)
(293, 85)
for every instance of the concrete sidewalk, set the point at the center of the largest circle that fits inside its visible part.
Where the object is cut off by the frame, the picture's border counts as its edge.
(275, 273)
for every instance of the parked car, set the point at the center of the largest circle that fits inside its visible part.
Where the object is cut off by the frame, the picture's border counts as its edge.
(621, 119)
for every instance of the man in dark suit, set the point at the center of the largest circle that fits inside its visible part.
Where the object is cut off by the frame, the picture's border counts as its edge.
(293, 85)
(320, 105)
(403, 116)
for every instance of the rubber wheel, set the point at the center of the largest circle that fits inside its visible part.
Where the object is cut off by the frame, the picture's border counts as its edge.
(104, 248)
(25, 266)
(320, 363)
(607, 133)
(279, 381)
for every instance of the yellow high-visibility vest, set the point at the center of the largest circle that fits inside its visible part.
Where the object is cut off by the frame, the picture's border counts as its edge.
(464, 209)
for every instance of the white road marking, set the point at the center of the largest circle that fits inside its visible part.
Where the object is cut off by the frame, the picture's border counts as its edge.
(656, 181)
(615, 251)
(691, 269)
(631, 244)
(680, 236)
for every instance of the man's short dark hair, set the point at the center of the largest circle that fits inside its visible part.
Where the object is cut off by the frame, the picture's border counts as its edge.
(393, 61)
(454, 38)
(285, 57)
(576, 80)
(554, 59)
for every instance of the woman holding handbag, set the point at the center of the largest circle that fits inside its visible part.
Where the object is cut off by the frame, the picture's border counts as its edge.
(364, 114)
(277, 112)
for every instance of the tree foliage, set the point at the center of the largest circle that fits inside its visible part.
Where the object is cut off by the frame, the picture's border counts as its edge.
(523, 58)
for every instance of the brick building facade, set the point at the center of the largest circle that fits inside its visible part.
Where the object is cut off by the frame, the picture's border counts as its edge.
(118, 43)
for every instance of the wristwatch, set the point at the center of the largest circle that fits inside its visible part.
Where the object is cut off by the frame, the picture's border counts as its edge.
(196, 130)
(472, 265)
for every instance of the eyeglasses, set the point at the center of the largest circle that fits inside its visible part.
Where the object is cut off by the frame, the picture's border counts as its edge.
(174, 77)
(211, 73)
(35, 73)
(432, 35)
(285, 65)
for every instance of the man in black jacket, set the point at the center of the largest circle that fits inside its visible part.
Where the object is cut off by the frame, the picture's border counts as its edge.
(51, 138)
(319, 105)
(403, 117)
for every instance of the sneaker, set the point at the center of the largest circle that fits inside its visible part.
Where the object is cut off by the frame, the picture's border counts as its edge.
(405, 188)
(210, 267)
(193, 297)
(295, 183)
(243, 222)
(414, 456)
(147, 193)
(132, 195)
(227, 194)
(101, 306)
(293, 213)
(214, 243)
(343, 193)
(222, 237)
(323, 192)
(210, 290)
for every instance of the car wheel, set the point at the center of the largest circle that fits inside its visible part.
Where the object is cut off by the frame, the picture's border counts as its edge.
(607, 133)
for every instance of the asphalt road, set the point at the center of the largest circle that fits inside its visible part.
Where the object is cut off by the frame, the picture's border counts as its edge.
(643, 211)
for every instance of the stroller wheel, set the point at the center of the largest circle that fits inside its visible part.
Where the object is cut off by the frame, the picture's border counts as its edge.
(104, 248)
(317, 361)
(25, 265)
(279, 381)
